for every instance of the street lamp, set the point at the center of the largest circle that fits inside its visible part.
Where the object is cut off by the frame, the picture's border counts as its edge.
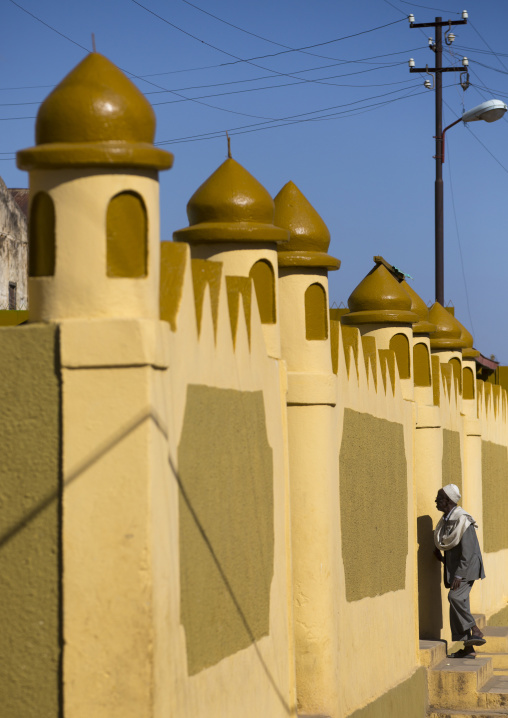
(489, 111)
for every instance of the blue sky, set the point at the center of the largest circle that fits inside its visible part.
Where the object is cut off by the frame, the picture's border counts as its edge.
(340, 116)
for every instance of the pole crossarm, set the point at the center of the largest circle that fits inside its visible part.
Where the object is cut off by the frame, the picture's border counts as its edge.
(437, 69)
(442, 23)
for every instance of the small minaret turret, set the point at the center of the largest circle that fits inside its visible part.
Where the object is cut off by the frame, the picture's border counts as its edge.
(380, 307)
(422, 368)
(313, 449)
(447, 341)
(231, 218)
(94, 199)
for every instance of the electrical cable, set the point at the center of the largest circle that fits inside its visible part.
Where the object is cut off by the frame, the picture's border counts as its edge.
(274, 54)
(281, 52)
(50, 26)
(482, 52)
(487, 44)
(338, 62)
(232, 82)
(486, 148)
(266, 87)
(222, 109)
(290, 120)
(426, 7)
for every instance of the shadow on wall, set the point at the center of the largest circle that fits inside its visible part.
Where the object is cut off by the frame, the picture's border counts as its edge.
(430, 611)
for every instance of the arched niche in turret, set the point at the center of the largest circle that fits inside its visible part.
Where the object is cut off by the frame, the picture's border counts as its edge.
(263, 276)
(41, 260)
(399, 344)
(127, 236)
(421, 365)
(316, 314)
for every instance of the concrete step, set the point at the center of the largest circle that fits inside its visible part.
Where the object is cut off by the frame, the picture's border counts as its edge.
(432, 652)
(455, 682)
(499, 660)
(446, 713)
(497, 640)
(494, 694)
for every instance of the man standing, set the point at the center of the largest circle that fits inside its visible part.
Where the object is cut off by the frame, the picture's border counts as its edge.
(455, 534)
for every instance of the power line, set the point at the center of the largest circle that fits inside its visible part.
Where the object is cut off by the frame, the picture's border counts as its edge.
(266, 87)
(487, 44)
(50, 26)
(234, 82)
(339, 61)
(281, 52)
(426, 7)
(274, 54)
(270, 87)
(487, 149)
(482, 52)
(233, 112)
(248, 32)
(268, 125)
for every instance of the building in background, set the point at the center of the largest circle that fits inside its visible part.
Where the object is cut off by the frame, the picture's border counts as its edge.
(13, 247)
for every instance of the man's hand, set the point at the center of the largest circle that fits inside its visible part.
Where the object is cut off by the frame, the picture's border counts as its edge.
(438, 555)
(456, 583)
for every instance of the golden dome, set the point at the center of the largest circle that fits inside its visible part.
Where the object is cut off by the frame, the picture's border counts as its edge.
(231, 205)
(418, 306)
(467, 338)
(309, 237)
(95, 116)
(379, 299)
(449, 333)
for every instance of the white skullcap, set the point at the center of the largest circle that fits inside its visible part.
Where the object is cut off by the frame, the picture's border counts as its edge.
(452, 492)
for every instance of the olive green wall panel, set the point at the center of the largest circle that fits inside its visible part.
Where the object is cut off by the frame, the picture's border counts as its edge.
(226, 531)
(373, 505)
(407, 700)
(495, 496)
(29, 522)
(452, 463)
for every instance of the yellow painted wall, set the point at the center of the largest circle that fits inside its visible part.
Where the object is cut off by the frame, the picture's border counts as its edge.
(30, 550)
(247, 488)
(374, 420)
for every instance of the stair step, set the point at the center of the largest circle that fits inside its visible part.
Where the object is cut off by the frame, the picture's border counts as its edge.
(499, 660)
(480, 713)
(456, 682)
(432, 652)
(497, 640)
(494, 693)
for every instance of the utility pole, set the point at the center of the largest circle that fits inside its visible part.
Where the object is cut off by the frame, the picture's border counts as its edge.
(438, 24)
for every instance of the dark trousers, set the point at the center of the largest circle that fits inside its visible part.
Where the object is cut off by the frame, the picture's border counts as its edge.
(461, 620)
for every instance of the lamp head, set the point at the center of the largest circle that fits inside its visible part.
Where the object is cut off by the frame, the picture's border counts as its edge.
(490, 111)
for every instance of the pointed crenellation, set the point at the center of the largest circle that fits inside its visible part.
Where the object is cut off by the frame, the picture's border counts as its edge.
(174, 258)
(380, 307)
(94, 199)
(231, 220)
